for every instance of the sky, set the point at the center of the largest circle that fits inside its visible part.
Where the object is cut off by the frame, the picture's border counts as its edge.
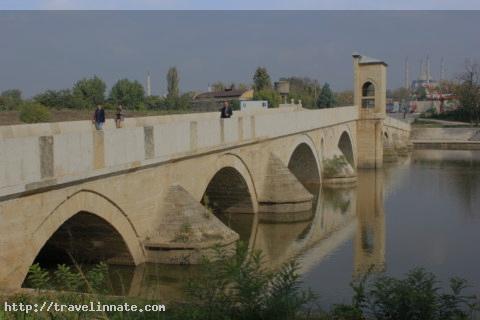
(53, 49)
(243, 4)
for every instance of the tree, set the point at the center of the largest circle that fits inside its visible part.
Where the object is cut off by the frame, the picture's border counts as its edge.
(218, 86)
(172, 83)
(421, 93)
(261, 79)
(304, 89)
(326, 98)
(33, 112)
(344, 98)
(128, 93)
(10, 99)
(468, 91)
(399, 94)
(59, 99)
(154, 102)
(91, 91)
(271, 96)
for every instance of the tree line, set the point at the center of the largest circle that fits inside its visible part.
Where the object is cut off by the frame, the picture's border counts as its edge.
(87, 93)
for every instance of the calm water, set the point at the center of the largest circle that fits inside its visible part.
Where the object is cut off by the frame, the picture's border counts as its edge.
(425, 212)
(421, 211)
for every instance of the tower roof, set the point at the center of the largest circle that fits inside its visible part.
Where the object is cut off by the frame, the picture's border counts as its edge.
(368, 60)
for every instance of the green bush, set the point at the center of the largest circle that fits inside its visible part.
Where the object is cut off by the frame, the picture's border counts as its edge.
(240, 287)
(416, 297)
(332, 167)
(271, 96)
(33, 112)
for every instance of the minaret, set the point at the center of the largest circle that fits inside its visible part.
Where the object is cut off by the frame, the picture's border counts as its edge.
(422, 75)
(149, 86)
(428, 69)
(442, 69)
(407, 74)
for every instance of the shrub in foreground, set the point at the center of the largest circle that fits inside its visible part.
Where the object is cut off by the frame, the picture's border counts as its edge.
(239, 287)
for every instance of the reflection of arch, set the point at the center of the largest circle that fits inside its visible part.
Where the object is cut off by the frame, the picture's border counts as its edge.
(345, 145)
(303, 163)
(94, 204)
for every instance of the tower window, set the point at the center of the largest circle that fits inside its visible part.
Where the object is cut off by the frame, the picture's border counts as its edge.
(368, 89)
(368, 94)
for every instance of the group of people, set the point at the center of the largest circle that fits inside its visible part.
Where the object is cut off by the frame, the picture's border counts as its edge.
(99, 115)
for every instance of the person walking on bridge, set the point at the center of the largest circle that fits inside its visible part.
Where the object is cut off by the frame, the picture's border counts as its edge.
(119, 116)
(99, 117)
(226, 111)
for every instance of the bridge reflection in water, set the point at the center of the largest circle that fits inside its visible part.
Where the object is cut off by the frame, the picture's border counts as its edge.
(341, 214)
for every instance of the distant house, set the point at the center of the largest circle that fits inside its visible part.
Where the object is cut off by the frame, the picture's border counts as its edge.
(212, 100)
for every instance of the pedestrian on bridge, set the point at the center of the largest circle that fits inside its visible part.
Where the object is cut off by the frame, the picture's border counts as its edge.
(99, 117)
(226, 111)
(119, 116)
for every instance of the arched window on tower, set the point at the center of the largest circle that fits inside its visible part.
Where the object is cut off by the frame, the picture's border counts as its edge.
(368, 95)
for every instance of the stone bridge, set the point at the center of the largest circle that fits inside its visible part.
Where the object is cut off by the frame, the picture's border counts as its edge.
(158, 189)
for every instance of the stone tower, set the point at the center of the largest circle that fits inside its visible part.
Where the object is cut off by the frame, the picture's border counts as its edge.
(369, 94)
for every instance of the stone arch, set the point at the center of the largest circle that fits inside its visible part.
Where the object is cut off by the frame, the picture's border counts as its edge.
(231, 194)
(303, 162)
(83, 201)
(345, 145)
(234, 162)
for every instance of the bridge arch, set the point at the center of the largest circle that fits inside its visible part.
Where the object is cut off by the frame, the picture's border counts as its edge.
(304, 163)
(230, 192)
(345, 144)
(90, 206)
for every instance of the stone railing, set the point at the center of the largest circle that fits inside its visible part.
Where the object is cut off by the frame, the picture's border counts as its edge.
(41, 155)
(396, 124)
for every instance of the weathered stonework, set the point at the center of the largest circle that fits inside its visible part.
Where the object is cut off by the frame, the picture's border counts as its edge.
(188, 232)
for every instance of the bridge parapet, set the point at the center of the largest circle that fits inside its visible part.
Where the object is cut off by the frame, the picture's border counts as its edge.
(396, 124)
(37, 156)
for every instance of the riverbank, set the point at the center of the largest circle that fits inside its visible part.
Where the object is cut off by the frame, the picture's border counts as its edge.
(444, 135)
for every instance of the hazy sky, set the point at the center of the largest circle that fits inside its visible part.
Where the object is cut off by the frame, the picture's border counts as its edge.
(241, 4)
(53, 49)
